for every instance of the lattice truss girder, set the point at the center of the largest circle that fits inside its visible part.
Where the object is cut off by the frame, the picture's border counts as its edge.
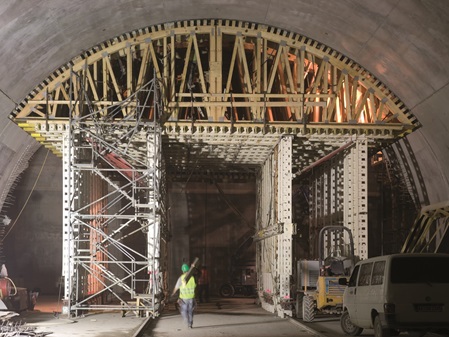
(228, 90)
(113, 202)
(429, 229)
(221, 70)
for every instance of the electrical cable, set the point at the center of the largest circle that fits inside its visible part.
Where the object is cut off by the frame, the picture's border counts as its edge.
(28, 198)
(13, 285)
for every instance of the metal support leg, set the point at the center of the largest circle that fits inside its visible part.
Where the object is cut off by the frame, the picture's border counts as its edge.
(356, 195)
(284, 208)
(275, 230)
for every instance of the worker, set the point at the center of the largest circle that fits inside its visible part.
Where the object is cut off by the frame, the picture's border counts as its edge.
(186, 299)
(203, 285)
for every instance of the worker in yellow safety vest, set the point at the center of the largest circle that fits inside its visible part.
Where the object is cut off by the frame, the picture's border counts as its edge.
(186, 299)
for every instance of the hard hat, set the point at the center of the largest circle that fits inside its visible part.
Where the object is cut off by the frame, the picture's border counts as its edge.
(185, 268)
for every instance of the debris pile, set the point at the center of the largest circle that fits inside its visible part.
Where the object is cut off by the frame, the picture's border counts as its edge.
(17, 329)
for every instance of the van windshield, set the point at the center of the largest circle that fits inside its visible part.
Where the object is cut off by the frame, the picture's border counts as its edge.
(417, 269)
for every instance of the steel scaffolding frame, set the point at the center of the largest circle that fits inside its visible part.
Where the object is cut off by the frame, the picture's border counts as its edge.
(113, 208)
(275, 229)
(326, 197)
(338, 194)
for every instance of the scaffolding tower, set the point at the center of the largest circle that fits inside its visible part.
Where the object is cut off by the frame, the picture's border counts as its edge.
(114, 205)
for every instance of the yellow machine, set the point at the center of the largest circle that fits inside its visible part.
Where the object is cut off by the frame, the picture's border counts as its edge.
(318, 288)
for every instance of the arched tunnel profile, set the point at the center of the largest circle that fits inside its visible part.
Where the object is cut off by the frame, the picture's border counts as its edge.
(230, 141)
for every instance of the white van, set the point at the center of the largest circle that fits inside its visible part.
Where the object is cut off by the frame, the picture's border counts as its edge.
(399, 292)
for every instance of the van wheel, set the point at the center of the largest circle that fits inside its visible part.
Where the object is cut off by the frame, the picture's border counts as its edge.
(308, 309)
(227, 290)
(379, 330)
(347, 326)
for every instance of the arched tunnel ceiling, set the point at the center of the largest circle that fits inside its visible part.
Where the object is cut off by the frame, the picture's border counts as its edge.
(403, 43)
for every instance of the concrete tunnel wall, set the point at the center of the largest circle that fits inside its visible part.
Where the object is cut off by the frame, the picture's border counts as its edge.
(33, 247)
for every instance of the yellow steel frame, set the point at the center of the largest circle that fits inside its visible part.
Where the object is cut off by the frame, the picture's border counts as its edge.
(221, 71)
(429, 229)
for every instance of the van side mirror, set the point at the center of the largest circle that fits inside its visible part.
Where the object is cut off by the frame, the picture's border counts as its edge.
(342, 281)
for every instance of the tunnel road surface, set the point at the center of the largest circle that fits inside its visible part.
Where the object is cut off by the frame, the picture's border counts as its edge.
(227, 318)
(242, 317)
(220, 318)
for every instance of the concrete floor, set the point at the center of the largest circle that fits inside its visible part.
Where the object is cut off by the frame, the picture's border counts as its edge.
(45, 318)
(227, 317)
(220, 317)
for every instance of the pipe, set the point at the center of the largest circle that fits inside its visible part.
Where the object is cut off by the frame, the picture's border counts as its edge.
(325, 158)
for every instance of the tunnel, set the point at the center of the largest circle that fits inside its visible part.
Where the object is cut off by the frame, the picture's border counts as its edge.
(231, 141)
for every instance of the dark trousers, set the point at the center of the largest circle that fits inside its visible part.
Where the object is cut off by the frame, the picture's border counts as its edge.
(203, 292)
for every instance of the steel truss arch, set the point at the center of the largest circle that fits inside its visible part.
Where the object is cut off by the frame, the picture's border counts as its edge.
(224, 70)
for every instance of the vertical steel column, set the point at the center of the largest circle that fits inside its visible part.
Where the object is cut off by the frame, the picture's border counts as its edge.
(265, 240)
(284, 215)
(339, 189)
(356, 195)
(313, 202)
(275, 230)
(154, 146)
(216, 71)
(67, 234)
